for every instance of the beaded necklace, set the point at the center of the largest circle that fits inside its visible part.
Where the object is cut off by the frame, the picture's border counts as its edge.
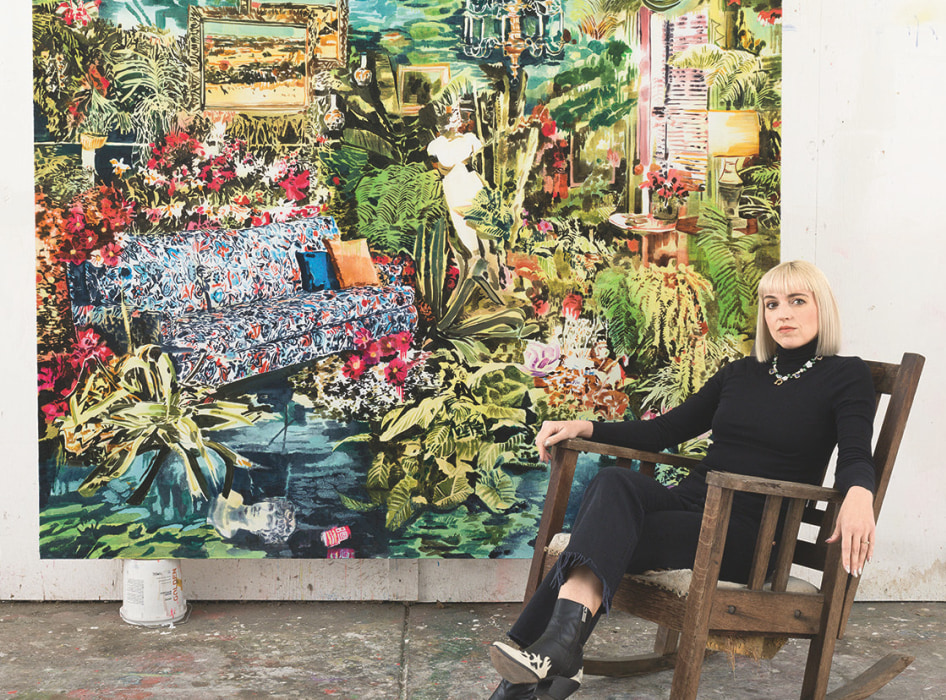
(782, 378)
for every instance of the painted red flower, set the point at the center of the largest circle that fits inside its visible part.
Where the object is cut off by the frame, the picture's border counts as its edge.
(372, 353)
(402, 343)
(771, 16)
(355, 367)
(295, 186)
(388, 346)
(541, 307)
(396, 371)
(572, 305)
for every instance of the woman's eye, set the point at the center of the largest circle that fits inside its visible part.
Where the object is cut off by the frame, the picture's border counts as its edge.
(771, 305)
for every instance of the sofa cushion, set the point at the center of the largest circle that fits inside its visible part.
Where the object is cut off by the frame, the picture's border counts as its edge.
(316, 269)
(352, 263)
(281, 319)
(212, 368)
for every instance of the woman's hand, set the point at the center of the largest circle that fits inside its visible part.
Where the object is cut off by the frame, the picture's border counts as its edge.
(855, 529)
(553, 431)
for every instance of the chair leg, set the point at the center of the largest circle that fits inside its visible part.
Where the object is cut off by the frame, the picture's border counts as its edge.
(666, 641)
(821, 648)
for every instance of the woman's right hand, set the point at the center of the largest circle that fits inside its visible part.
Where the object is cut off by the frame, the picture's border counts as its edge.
(553, 431)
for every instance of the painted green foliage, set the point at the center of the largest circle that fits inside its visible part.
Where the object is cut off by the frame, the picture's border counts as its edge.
(533, 300)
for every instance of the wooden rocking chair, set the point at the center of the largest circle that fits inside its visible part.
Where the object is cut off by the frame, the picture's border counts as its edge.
(693, 608)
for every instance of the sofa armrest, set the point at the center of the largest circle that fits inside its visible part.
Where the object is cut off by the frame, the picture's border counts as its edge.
(108, 322)
(396, 271)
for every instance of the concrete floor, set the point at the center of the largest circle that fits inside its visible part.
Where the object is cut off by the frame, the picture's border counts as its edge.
(394, 651)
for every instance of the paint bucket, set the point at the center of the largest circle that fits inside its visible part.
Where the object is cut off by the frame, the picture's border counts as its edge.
(153, 594)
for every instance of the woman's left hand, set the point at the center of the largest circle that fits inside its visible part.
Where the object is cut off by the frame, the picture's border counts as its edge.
(855, 529)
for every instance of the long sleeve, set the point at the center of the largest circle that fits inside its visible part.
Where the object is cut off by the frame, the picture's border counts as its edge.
(691, 418)
(786, 430)
(854, 414)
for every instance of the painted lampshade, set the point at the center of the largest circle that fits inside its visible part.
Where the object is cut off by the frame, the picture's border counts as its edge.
(733, 134)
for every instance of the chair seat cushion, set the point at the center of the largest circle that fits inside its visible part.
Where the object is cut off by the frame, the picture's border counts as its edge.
(677, 581)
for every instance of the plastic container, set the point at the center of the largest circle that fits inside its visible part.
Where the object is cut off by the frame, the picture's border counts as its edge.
(153, 593)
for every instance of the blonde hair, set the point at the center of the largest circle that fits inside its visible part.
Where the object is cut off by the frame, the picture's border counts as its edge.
(794, 276)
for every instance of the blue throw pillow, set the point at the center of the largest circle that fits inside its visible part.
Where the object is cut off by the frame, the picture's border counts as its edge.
(317, 272)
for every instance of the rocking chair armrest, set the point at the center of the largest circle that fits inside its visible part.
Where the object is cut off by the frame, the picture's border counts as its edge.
(601, 448)
(772, 487)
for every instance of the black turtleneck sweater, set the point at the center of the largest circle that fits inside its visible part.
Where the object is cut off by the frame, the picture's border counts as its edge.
(783, 432)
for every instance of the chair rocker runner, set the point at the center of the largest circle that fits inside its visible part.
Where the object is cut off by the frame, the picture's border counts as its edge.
(693, 609)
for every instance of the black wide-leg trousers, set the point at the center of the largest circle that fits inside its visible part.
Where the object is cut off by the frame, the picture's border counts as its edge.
(630, 523)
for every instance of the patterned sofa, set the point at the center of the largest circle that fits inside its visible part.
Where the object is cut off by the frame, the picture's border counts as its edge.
(229, 304)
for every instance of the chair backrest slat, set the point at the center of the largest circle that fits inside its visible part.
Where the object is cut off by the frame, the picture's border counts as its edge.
(764, 542)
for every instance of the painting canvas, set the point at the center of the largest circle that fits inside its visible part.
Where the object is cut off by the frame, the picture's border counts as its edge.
(254, 64)
(311, 275)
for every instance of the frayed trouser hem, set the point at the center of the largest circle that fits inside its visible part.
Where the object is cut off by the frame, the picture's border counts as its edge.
(571, 560)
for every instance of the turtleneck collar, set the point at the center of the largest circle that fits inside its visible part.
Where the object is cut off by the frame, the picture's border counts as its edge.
(795, 357)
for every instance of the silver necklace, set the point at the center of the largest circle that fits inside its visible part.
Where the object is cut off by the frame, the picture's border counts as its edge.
(782, 378)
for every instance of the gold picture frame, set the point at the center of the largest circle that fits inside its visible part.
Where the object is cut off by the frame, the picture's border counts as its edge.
(417, 84)
(327, 23)
(263, 58)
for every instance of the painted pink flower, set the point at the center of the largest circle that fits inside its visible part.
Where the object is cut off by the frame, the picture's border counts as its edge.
(538, 359)
(53, 410)
(614, 158)
(362, 338)
(110, 254)
(541, 307)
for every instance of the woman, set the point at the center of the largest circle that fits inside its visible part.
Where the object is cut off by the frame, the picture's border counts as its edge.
(778, 414)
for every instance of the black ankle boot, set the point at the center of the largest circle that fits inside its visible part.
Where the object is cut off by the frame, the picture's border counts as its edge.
(558, 687)
(510, 691)
(556, 653)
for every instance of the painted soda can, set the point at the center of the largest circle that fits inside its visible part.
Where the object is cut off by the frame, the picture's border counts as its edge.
(336, 535)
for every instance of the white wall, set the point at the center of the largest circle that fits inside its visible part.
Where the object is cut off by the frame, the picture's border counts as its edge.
(865, 98)
(864, 108)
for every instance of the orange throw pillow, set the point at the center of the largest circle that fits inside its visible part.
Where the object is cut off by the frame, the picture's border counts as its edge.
(352, 263)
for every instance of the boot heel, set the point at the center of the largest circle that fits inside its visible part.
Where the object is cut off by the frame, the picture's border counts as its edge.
(559, 688)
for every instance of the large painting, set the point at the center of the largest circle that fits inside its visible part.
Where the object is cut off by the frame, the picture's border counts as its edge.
(310, 275)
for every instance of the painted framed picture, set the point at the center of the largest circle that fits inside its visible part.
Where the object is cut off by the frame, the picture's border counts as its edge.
(253, 64)
(263, 57)
(327, 23)
(594, 148)
(416, 85)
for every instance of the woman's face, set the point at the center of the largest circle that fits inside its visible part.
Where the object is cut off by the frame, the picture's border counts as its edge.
(792, 319)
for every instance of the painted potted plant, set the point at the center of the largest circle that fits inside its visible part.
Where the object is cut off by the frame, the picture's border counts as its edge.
(669, 191)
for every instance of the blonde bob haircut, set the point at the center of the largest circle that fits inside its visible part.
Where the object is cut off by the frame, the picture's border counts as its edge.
(795, 276)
